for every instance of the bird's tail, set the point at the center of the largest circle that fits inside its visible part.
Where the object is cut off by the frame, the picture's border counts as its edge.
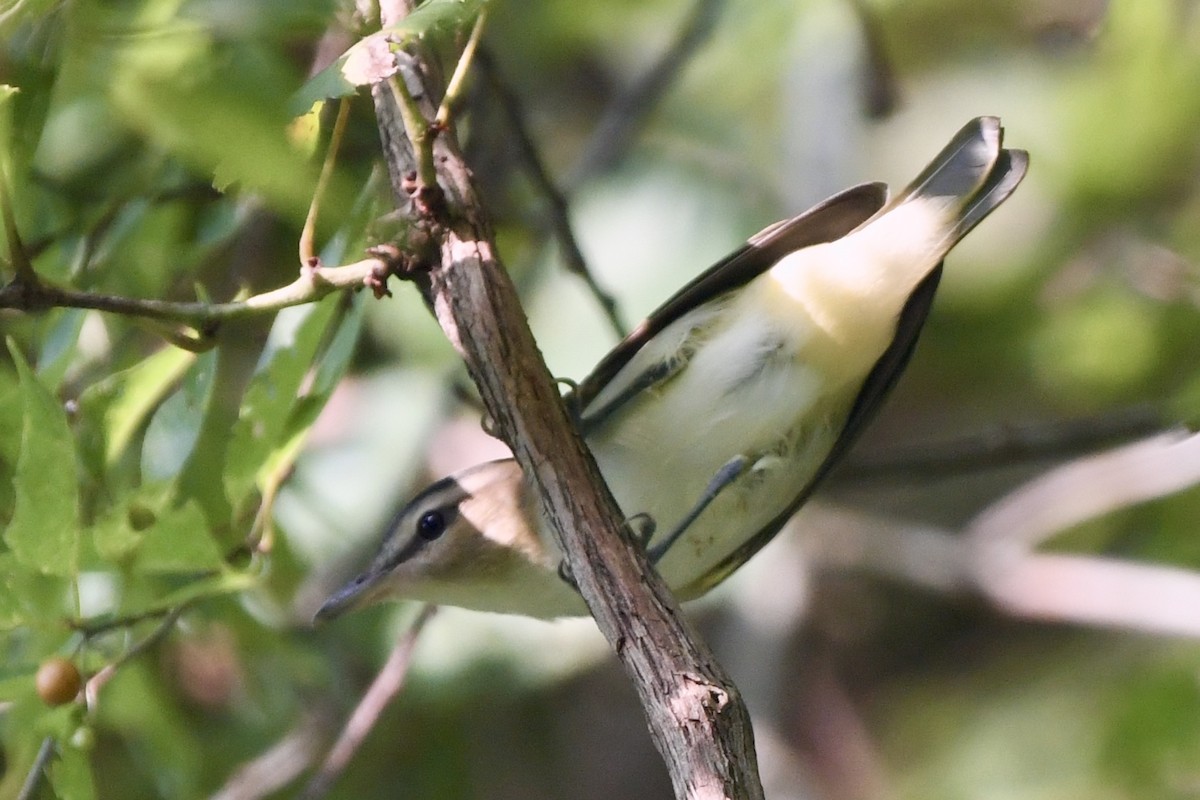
(972, 175)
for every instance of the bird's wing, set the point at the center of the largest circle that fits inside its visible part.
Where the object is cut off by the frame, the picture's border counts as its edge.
(875, 388)
(830, 220)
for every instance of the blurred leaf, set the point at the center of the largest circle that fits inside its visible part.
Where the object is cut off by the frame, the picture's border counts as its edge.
(11, 612)
(170, 750)
(175, 425)
(30, 598)
(228, 582)
(59, 347)
(297, 335)
(71, 774)
(125, 399)
(11, 419)
(44, 532)
(178, 541)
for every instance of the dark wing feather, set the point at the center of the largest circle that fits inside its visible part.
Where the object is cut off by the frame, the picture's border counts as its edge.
(832, 219)
(875, 388)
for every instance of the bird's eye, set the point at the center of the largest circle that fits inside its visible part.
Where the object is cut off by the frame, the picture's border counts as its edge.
(431, 525)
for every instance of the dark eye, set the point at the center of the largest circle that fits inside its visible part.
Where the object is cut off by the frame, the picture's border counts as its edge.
(431, 525)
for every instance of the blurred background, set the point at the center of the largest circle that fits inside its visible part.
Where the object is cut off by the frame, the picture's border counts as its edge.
(155, 151)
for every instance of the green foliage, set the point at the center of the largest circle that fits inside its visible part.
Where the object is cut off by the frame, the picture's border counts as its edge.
(168, 517)
(43, 532)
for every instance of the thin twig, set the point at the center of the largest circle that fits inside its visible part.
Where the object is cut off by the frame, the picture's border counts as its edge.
(92, 628)
(34, 779)
(626, 116)
(92, 688)
(386, 685)
(558, 210)
(314, 283)
(308, 232)
(418, 128)
(459, 79)
(281, 763)
(1002, 446)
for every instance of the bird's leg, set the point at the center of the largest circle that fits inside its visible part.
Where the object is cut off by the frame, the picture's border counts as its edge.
(641, 528)
(571, 400)
(724, 476)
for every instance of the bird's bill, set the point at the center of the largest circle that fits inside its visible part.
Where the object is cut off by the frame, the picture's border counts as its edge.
(363, 591)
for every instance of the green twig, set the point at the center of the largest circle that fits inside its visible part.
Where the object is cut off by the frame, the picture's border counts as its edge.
(419, 132)
(458, 80)
(308, 233)
(97, 681)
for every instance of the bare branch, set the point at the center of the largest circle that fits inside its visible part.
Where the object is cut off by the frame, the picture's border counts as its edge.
(1089, 488)
(625, 118)
(275, 768)
(697, 718)
(1001, 446)
(558, 211)
(387, 684)
(314, 283)
(995, 556)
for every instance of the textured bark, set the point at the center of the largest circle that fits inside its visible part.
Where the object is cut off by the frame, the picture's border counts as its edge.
(696, 716)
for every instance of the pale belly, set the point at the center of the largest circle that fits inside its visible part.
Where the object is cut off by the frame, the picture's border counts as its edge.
(660, 452)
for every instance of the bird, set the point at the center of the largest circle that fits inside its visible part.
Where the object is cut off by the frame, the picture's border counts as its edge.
(714, 420)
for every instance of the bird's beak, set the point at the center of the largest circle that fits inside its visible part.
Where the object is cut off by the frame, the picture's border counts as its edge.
(360, 592)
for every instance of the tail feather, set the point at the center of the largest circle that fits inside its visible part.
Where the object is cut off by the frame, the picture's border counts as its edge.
(963, 165)
(972, 175)
(1008, 171)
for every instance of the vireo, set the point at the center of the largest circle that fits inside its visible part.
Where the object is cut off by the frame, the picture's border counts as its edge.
(718, 416)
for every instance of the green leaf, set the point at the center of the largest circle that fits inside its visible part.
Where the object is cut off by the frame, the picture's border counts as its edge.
(11, 419)
(44, 531)
(175, 425)
(60, 345)
(371, 59)
(71, 774)
(29, 598)
(295, 339)
(126, 399)
(11, 612)
(178, 541)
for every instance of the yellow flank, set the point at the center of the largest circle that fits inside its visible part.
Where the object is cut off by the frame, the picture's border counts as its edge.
(842, 299)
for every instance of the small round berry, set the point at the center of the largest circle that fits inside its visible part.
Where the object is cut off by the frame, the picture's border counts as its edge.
(57, 681)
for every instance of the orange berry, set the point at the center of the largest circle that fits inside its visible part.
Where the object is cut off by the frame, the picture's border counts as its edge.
(58, 681)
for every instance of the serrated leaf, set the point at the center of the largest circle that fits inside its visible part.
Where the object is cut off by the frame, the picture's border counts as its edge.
(371, 59)
(178, 541)
(44, 531)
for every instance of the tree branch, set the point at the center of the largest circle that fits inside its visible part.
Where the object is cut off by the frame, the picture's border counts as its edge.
(386, 685)
(696, 716)
(314, 283)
